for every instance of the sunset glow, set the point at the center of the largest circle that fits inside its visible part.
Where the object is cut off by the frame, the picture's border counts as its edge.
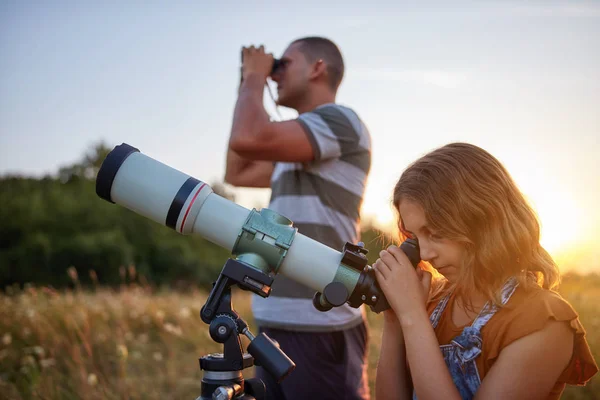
(561, 221)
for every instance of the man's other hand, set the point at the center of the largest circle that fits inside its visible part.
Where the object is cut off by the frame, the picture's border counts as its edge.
(256, 62)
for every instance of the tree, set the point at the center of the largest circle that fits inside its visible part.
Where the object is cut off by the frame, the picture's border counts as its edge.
(89, 165)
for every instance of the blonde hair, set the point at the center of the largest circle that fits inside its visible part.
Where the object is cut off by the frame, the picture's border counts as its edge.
(469, 197)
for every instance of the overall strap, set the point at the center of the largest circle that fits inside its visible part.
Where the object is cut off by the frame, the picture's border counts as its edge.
(469, 342)
(489, 310)
(439, 309)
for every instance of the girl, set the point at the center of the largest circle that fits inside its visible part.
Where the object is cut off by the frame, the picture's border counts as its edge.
(503, 333)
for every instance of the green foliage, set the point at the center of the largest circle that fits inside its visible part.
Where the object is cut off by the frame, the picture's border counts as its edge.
(375, 241)
(53, 223)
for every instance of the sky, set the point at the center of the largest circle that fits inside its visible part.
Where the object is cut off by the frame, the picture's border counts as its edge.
(520, 79)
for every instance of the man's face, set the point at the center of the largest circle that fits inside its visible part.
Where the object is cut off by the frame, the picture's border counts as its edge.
(292, 77)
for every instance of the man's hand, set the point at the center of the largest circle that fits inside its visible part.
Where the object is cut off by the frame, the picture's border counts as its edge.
(256, 62)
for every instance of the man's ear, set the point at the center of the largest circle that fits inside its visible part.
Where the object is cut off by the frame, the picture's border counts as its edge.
(319, 69)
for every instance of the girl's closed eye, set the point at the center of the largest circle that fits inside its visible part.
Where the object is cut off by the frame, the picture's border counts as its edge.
(435, 237)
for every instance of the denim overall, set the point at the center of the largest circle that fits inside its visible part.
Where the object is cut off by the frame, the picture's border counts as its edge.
(460, 354)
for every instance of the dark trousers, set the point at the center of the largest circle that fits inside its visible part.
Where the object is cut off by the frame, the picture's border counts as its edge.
(329, 365)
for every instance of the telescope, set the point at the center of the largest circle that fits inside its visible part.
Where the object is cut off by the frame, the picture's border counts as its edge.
(263, 244)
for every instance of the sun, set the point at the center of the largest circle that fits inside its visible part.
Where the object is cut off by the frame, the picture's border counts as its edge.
(376, 210)
(560, 221)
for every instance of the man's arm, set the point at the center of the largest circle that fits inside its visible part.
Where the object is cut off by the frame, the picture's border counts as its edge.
(255, 141)
(252, 149)
(254, 137)
(248, 173)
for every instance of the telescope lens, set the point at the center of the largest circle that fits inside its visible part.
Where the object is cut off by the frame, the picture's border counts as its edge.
(109, 168)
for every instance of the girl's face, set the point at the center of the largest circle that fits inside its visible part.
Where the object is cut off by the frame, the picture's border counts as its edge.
(445, 255)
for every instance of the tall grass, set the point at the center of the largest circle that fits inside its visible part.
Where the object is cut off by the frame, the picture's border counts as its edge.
(140, 343)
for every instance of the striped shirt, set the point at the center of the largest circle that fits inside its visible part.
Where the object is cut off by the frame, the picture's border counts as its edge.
(323, 199)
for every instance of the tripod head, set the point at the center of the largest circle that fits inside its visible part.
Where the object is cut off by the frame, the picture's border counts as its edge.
(222, 378)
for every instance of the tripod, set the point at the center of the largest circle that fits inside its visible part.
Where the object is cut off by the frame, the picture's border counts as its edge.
(222, 378)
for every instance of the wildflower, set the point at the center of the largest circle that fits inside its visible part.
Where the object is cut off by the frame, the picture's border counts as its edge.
(101, 337)
(48, 362)
(157, 356)
(26, 332)
(93, 276)
(35, 350)
(175, 330)
(28, 360)
(132, 272)
(7, 339)
(30, 313)
(92, 379)
(28, 288)
(39, 350)
(160, 314)
(185, 312)
(72, 272)
(143, 338)
(122, 351)
(49, 291)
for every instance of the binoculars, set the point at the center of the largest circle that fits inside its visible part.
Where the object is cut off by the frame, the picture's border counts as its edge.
(276, 64)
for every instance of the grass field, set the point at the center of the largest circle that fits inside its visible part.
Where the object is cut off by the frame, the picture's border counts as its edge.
(135, 343)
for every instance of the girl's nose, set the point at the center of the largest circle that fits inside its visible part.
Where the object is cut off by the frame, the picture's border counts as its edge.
(427, 251)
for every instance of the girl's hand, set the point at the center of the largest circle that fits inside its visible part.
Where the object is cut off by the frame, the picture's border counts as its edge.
(406, 288)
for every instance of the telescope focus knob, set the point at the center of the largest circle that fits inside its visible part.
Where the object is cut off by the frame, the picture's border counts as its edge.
(334, 295)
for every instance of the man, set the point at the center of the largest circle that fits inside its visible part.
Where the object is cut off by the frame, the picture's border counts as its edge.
(316, 166)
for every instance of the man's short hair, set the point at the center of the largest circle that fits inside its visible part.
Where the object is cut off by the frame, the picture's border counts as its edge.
(315, 48)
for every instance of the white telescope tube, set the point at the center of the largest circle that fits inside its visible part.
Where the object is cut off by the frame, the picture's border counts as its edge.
(175, 199)
(310, 263)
